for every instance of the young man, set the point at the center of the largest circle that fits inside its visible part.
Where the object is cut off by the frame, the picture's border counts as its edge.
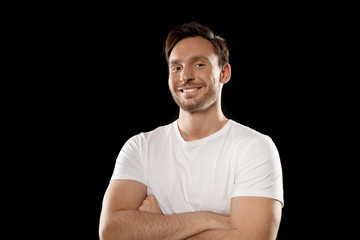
(202, 176)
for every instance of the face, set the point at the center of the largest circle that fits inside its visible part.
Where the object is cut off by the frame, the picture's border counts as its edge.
(194, 74)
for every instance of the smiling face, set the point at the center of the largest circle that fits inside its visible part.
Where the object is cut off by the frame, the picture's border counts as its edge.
(195, 77)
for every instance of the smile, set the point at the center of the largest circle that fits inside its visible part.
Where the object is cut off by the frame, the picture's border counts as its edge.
(190, 90)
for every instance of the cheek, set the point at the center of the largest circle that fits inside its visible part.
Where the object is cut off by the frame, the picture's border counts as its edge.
(206, 77)
(172, 82)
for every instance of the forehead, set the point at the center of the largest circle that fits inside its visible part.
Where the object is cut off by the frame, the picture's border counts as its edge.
(193, 46)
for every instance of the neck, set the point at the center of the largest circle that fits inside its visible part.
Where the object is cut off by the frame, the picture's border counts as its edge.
(197, 125)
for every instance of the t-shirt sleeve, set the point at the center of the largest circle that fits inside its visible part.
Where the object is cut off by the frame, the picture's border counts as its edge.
(128, 164)
(258, 171)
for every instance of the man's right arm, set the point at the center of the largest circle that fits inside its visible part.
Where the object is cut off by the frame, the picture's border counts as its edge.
(121, 219)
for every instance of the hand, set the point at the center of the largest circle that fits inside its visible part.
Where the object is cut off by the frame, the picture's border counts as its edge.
(150, 205)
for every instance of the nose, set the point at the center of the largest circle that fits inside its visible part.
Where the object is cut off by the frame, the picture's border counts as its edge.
(186, 75)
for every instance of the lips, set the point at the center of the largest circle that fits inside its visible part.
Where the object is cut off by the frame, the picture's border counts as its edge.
(189, 89)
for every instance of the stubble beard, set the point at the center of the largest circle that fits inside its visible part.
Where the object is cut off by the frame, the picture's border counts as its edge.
(208, 99)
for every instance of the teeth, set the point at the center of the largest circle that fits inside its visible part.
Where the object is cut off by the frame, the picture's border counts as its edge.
(189, 90)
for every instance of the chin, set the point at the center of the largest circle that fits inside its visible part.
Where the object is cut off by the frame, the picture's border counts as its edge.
(198, 107)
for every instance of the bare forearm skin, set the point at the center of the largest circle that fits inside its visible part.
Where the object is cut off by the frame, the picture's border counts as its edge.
(233, 234)
(132, 224)
(216, 234)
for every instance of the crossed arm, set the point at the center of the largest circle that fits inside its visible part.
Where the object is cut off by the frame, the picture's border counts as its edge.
(127, 213)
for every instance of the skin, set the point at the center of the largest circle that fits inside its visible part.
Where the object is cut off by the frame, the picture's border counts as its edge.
(193, 63)
(128, 213)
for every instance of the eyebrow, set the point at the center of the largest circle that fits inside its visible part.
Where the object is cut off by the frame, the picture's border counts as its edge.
(192, 59)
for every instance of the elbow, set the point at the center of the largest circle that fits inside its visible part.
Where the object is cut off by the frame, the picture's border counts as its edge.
(106, 232)
(113, 227)
(111, 232)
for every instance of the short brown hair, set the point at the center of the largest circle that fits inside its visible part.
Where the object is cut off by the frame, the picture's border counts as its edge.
(194, 29)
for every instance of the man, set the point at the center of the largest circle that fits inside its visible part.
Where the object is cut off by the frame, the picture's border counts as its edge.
(202, 176)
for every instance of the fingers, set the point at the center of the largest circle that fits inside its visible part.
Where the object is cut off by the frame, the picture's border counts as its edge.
(150, 198)
(150, 205)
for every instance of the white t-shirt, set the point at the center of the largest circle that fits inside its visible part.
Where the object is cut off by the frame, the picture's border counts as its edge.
(202, 175)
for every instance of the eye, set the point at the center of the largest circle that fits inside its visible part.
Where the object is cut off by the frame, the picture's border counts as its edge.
(200, 65)
(175, 69)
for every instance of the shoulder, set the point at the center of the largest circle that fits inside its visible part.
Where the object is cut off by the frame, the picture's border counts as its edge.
(140, 143)
(240, 131)
(247, 137)
(153, 135)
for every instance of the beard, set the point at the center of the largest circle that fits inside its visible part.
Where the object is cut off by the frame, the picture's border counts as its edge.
(207, 99)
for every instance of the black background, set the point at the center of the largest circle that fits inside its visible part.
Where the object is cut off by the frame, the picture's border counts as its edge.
(98, 76)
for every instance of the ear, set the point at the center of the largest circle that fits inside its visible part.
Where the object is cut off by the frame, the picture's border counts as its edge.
(225, 73)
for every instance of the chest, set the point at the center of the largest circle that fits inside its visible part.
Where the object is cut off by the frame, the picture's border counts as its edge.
(196, 178)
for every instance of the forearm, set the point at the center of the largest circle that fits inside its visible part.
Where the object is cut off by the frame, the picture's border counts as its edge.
(234, 234)
(216, 234)
(132, 224)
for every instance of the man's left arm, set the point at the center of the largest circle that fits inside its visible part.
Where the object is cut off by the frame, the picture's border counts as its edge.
(252, 218)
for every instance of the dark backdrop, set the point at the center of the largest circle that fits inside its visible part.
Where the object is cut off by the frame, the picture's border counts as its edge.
(104, 79)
